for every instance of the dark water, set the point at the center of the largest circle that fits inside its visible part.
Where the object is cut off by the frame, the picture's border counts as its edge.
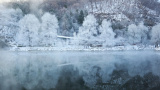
(123, 70)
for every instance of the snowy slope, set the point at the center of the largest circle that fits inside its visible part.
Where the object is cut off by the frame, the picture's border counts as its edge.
(120, 9)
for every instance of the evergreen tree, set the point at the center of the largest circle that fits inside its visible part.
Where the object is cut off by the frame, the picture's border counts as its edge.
(81, 17)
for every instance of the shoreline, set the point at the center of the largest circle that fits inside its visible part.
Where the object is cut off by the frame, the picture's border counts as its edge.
(82, 48)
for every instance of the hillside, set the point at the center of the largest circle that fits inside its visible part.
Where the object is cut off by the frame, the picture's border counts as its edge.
(133, 11)
(124, 10)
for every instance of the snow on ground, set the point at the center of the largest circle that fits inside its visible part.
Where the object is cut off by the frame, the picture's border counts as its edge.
(84, 48)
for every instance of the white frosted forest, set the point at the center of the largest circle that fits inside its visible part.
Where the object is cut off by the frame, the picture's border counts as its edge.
(29, 31)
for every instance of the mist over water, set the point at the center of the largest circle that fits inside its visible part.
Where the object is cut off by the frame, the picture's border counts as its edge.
(74, 70)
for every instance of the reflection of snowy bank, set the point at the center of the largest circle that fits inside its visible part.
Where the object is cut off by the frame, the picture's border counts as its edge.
(84, 48)
(79, 70)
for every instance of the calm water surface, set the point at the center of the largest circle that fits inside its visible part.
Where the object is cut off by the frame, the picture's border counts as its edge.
(111, 70)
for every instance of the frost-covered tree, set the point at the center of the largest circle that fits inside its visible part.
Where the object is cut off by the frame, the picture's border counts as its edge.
(133, 33)
(107, 34)
(155, 34)
(49, 29)
(137, 34)
(144, 31)
(66, 24)
(8, 23)
(88, 31)
(28, 33)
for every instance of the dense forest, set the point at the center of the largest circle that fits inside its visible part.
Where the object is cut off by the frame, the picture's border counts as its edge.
(93, 23)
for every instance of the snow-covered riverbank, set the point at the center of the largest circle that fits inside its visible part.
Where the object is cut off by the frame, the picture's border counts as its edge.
(82, 48)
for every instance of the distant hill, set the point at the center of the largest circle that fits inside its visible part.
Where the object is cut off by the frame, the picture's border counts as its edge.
(125, 10)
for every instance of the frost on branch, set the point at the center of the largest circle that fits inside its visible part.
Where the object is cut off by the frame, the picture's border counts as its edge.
(49, 29)
(28, 33)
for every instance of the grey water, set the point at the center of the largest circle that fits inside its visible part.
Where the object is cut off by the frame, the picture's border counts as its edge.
(78, 70)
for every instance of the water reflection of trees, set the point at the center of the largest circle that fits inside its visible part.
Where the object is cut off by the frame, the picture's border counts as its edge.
(71, 78)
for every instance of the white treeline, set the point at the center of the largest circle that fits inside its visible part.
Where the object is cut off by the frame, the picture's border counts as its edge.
(88, 30)
(156, 34)
(107, 33)
(49, 28)
(33, 33)
(137, 33)
(9, 23)
(30, 31)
